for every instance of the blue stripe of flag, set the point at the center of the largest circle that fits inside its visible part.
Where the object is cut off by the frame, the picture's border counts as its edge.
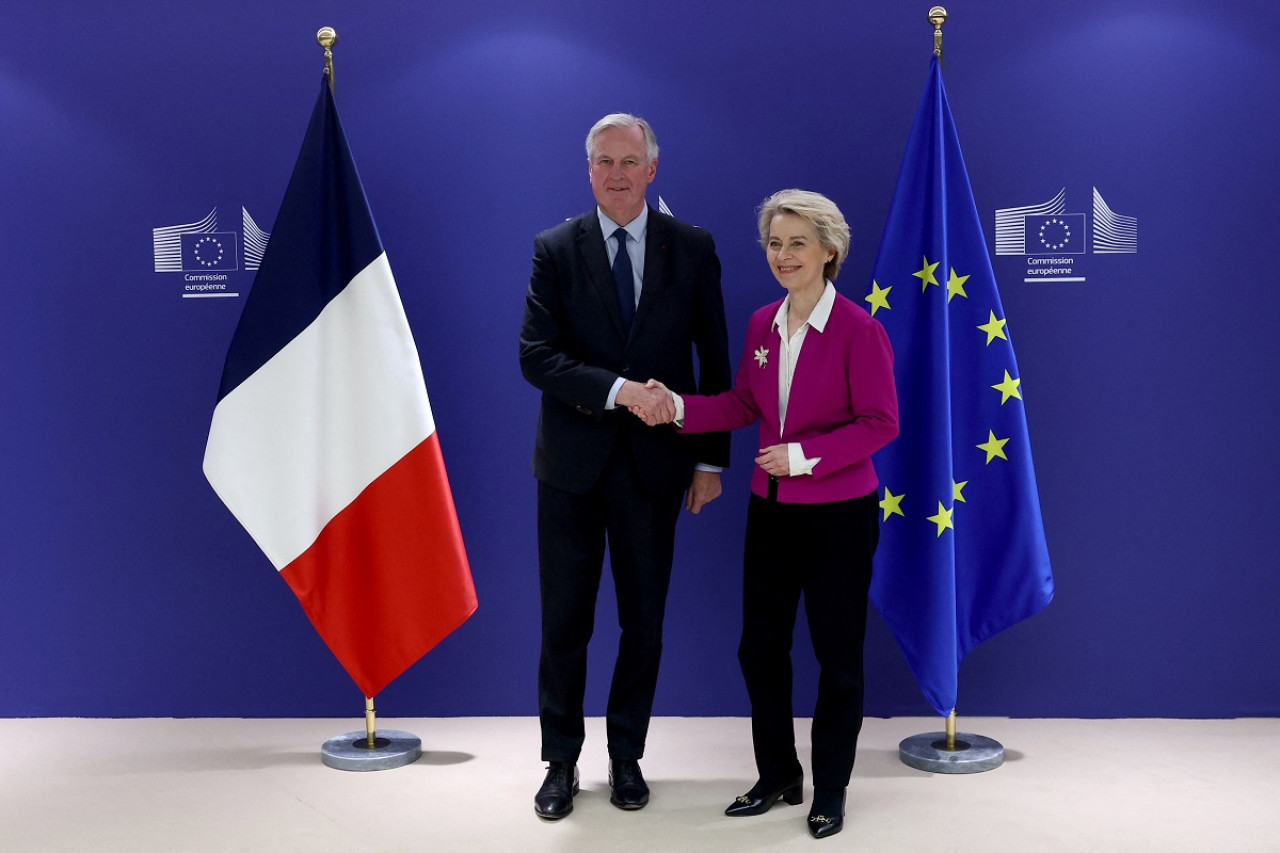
(324, 235)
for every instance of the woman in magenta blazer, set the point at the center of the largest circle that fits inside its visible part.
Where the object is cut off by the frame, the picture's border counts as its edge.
(817, 373)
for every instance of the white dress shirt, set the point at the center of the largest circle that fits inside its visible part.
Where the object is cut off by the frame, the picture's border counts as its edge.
(789, 351)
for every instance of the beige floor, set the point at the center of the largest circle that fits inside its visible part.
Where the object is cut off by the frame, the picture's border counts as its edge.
(259, 785)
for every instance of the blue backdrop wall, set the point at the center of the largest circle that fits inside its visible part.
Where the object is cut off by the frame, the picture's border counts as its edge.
(1149, 377)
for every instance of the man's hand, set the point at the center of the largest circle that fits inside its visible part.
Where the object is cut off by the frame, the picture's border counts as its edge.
(653, 405)
(776, 460)
(703, 490)
(650, 417)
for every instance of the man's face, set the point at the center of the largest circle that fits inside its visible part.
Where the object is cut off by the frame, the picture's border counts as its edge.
(620, 172)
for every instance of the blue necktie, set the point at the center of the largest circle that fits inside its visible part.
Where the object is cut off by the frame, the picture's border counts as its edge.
(624, 279)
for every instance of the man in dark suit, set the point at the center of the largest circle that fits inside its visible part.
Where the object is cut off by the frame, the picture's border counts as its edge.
(618, 295)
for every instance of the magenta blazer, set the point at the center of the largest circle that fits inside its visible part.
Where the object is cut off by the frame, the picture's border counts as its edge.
(843, 405)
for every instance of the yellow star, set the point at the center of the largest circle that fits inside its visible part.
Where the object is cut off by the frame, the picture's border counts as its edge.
(994, 328)
(955, 285)
(878, 297)
(892, 504)
(942, 519)
(926, 275)
(994, 446)
(956, 489)
(1008, 388)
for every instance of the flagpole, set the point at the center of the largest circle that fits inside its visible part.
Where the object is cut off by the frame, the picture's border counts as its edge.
(937, 17)
(327, 37)
(944, 752)
(364, 750)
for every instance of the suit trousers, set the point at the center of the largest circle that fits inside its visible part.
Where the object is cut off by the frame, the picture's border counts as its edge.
(824, 552)
(572, 532)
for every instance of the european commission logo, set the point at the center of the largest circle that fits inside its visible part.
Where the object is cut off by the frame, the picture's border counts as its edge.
(214, 250)
(1052, 239)
(204, 255)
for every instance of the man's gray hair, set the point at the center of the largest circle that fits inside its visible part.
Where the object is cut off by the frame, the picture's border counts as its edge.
(820, 212)
(625, 121)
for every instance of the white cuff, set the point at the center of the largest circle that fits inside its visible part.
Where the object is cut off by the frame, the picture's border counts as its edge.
(796, 460)
(611, 402)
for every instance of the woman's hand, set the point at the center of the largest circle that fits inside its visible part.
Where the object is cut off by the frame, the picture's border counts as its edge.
(776, 461)
(650, 402)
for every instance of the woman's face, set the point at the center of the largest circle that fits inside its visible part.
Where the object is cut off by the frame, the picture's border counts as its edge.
(795, 254)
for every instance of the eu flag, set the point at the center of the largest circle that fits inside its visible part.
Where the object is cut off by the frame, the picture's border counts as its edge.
(1055, 234)
(962, 551)
(211, 250)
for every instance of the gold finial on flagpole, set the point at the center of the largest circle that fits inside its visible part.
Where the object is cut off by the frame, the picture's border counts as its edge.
(937, 17)
(327, 37)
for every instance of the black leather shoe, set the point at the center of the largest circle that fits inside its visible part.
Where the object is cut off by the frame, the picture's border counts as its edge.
(826, 817)
(554, 799)
(762, 797)
(627, 789)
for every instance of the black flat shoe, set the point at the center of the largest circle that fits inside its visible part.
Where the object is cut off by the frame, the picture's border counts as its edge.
(826, 817)
(627, 789)
(554, 799)
(760, 798)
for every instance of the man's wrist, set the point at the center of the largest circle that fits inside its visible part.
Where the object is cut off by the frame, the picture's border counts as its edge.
(612, 401)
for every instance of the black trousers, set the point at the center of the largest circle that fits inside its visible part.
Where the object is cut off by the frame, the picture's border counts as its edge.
(572, 532)
(823, 551)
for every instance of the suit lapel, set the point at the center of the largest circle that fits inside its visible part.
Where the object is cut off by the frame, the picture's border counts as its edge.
(596, 261)
(657, 258)
(772, 367)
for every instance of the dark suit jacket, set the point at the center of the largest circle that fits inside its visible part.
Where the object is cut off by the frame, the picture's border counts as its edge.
(573, 347)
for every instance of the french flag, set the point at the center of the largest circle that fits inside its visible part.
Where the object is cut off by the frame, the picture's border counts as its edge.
(323, 444)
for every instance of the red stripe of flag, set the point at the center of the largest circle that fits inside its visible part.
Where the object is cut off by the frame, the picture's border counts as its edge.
(387, 579)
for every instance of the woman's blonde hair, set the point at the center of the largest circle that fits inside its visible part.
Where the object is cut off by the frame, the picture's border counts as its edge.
(820, 212)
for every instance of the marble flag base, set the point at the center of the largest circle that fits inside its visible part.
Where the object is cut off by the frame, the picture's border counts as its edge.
(391, 749)
(972, 753)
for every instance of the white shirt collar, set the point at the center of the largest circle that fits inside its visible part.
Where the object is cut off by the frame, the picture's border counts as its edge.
(820, 314)
(635, 228)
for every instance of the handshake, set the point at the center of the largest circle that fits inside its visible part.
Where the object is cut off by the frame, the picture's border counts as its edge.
(651, 402)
